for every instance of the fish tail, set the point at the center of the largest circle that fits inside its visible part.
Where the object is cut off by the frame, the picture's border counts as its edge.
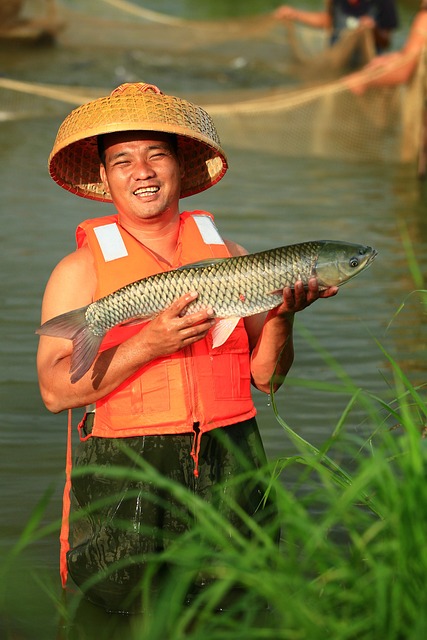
(73, 326)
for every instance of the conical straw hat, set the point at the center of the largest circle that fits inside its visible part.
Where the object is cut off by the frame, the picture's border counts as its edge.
(74, 161)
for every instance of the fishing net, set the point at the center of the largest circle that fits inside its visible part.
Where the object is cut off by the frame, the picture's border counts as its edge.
(270, 86)
(259, 42)
(330, 120)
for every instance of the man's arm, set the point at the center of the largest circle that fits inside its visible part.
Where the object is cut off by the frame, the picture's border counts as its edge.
(273, 354)
(70, 286)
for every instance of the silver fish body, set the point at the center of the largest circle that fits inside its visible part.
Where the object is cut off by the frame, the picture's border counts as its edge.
(233, 287)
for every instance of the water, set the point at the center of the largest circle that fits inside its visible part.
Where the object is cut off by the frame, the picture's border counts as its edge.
(263, 201)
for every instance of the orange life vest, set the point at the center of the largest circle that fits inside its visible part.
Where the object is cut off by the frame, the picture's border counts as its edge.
(194, 390)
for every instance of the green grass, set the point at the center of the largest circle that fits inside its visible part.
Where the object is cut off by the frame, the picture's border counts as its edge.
(352, 561)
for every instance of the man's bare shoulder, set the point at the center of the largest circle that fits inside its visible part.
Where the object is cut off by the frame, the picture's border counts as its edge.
(77, 261)
(71, 285)
(235, 249)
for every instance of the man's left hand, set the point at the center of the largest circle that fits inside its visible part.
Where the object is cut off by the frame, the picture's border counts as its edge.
(300, 297)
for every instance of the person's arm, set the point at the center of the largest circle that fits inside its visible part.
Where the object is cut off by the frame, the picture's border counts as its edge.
(386, 70)
(70, 286)
(396, 67)
(270, 334)
(316, 19)
(417, 37)
(273, 354)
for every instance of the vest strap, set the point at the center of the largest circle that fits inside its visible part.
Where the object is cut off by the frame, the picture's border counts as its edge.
(64, 536)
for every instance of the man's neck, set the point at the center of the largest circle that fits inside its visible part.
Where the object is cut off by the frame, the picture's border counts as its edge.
(159, 235)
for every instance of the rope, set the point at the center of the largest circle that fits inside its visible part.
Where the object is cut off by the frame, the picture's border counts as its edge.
(152, 16)
(55, 93)
(239, 28)
(64, 536)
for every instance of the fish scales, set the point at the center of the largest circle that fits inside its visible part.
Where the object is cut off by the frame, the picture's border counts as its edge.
(234, 288)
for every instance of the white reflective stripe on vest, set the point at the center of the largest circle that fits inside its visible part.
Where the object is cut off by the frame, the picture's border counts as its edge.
(111, 242)
(208, 230)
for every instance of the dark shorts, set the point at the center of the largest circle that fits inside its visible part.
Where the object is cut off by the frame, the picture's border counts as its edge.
(134, 518)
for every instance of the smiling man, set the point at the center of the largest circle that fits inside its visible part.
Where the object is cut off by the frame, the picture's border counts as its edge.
(159, 387)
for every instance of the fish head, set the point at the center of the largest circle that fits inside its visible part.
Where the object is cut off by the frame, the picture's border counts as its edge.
(338, 262)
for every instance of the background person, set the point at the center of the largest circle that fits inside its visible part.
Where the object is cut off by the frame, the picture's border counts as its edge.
(379, 15)
(396, 67)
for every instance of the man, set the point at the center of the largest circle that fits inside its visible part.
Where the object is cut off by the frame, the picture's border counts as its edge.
(159, 388)
(379, 15)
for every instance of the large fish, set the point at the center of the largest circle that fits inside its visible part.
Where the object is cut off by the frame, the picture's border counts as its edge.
(234, 288)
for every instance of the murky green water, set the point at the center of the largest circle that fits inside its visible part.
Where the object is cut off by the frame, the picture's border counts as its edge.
(264, 201)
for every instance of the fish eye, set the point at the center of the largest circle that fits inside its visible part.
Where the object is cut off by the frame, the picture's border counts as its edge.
(354, 262)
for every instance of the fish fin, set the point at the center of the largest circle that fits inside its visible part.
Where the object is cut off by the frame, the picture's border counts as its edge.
(65, 325)
(202, 263)
(223, 330)
(72, 325)
(85, 348)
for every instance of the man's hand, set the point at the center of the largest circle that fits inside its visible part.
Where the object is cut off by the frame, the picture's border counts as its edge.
(301, 297)
(171, 330)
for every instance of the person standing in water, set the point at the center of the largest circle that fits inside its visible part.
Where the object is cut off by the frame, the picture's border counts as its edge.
(159, 389)
(338, 15)
(396, 67)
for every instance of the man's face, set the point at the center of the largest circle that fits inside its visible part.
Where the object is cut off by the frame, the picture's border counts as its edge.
(142, 173)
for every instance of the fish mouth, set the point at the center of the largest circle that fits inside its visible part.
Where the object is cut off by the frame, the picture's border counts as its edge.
(373, 255)
(370, 258)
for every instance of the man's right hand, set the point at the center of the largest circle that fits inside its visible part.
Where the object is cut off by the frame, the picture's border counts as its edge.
(171, 330)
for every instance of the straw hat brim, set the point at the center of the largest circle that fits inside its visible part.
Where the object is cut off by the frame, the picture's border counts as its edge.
(74, 161)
